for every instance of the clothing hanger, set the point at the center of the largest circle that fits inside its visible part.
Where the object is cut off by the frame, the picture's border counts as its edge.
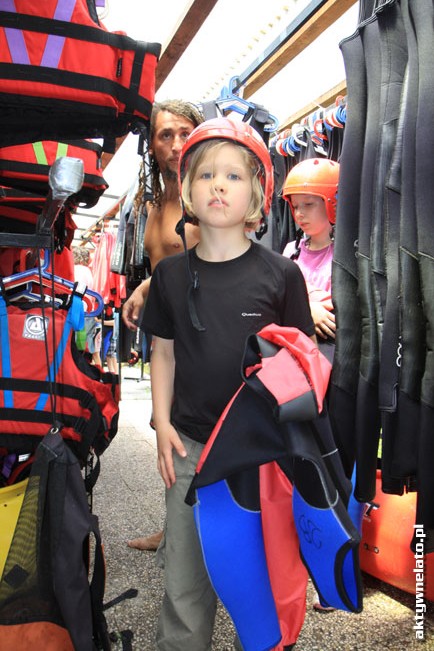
(28, 294)
(229, 101)
(336, 116)
(293, 140)
(41, 277)
(64, 178)
(300, 132)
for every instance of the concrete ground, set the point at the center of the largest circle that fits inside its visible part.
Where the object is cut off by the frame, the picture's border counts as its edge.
(128, 500)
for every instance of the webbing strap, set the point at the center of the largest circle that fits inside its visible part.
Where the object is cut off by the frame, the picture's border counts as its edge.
(15, 38)
(38, 148)
(54, 46)
(74, 318)
(40, 155)
(77, 31)
(77, 80)
(5, 350)
(62, 150)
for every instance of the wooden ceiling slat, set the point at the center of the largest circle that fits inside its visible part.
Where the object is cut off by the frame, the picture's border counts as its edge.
(185, 31)
(323, 18)
(325, 100)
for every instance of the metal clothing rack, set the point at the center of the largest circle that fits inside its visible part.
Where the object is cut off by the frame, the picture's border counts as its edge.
(302, 31)
(278, 42)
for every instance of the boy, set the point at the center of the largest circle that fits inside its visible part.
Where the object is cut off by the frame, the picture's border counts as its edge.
(202, 305)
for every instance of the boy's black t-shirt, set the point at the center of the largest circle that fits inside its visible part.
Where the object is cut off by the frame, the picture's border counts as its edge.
(235, 299)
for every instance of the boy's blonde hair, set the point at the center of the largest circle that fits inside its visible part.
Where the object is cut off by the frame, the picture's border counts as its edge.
(254, 211)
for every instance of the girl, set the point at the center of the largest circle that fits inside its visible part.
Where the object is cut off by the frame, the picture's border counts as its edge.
(311, 190)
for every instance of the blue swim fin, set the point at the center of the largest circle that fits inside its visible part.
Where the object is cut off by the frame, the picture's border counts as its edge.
(233, 550)
(355, 508)
(329, 540)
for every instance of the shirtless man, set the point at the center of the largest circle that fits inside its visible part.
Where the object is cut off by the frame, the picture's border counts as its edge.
(171, 123)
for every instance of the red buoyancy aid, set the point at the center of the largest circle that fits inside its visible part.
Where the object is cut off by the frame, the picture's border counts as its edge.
(26, 167)
(62, 74)
(19, 213)
(43, 373)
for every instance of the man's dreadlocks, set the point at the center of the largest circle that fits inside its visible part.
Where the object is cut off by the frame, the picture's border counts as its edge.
(177, 107)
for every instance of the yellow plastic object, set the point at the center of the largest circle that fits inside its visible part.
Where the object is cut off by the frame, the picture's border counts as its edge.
(11, 500)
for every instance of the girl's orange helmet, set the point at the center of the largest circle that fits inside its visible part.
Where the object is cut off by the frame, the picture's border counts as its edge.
(318, 176)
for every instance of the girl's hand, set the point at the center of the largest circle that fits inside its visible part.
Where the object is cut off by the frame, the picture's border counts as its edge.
(323, 318)
(168, 443)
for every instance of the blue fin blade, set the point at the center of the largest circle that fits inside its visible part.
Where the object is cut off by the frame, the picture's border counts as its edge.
(234, 555)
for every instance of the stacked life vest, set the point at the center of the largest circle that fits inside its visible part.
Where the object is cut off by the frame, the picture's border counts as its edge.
(64, 79)
(26, 167)
(55, 408)
(45, 381)
(24, 171)
(62, 74)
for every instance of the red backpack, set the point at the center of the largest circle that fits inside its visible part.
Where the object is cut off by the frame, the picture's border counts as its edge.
(62, 74)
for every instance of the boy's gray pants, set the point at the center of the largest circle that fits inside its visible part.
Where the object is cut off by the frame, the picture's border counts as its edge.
(189, 605)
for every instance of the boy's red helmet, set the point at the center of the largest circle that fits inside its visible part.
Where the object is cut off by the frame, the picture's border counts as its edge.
(318, 176)
(235, 131)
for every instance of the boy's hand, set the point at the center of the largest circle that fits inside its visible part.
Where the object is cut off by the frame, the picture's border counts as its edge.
(168, 443)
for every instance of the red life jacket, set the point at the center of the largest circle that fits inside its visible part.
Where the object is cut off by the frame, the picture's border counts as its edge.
(20, 206)
(43, 373)
(19, 212)
(26, 167)
(63, 75)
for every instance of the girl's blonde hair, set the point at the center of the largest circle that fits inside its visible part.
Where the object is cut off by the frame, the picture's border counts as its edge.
(254, 211)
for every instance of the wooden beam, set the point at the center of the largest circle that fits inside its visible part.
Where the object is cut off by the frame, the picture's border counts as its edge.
(325, 100)
(323, 18)
(188, 26)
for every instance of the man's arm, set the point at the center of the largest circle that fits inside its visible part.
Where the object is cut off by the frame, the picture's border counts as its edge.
(134, 305)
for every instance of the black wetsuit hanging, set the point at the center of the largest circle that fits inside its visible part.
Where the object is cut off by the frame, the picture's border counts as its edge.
(343, 384)
(422, 13)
